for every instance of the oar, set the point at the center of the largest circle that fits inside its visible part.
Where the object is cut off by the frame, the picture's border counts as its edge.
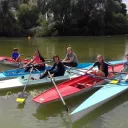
(21, 98)
(47, 59)
(94, 76)
(75, 68)
(38, 71)
(67, 109)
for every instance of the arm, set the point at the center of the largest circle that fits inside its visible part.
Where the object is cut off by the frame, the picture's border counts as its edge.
(39, 63)
(66, 58)
(95, 64)
(90, 68)
(29, 62)
(18, 55)
(69, 61)
(52, 67)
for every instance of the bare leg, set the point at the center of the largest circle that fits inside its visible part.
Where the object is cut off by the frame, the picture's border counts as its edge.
(99, 73)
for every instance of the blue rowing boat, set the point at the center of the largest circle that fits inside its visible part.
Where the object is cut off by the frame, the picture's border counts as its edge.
(103, 95)
(9, 74)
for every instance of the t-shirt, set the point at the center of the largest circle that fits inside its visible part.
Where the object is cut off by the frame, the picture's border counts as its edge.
(59, 68)
(15, 55)
(69, 56)
(103, 67)
(125, 66)
(38, 60)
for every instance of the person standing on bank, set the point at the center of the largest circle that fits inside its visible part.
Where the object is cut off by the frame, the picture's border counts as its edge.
(71, 58)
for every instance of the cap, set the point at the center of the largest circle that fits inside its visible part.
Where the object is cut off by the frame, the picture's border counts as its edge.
(15, 49)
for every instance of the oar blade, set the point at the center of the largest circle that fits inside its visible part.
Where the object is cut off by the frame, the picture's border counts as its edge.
(114, 81)
(21, 98)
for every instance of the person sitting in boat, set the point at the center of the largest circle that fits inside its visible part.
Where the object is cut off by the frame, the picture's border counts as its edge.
(57, 69)
(38, 62)
(125, 67)
(71, 58)
(16, 55)
(102, 67)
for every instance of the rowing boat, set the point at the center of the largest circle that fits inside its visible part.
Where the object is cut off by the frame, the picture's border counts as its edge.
(21, 81)
(103, 95)
(72, 87)
(10, 62)
(13, 73)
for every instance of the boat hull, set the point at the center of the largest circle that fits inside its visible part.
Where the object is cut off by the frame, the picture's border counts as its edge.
(70, 88)
(103, 95)
(8, 61)
(20, 81)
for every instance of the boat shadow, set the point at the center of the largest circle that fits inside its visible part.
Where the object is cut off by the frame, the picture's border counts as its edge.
(43, 112)
(83, 122)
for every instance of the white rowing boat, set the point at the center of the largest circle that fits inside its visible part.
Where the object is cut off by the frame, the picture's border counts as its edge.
(103, 95)
(21, 81)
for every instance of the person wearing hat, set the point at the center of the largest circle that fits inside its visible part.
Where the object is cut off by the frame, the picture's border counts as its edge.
(16, 55)
(71, 58)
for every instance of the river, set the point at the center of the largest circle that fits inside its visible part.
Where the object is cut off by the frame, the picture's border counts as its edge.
(114, 114)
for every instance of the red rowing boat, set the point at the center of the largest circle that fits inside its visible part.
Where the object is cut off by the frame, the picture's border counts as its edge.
(73, 87)
(9, 61)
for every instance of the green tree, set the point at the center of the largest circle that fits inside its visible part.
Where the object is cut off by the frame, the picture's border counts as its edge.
(28, 16)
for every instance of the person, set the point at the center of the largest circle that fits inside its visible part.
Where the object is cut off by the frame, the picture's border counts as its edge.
(71, 58)
(16, 55)
(125, 67)
(102, 67)
(60, 69)
(38, 62)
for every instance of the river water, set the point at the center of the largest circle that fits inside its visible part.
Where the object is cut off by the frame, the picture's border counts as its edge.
(114, 114)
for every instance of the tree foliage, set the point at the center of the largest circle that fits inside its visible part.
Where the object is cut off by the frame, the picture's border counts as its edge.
(28, 16)
(63, 17)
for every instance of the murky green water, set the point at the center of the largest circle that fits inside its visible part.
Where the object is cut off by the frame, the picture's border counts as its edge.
(114, 114)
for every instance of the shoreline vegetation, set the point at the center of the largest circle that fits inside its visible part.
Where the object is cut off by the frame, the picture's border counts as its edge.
(42, 18)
